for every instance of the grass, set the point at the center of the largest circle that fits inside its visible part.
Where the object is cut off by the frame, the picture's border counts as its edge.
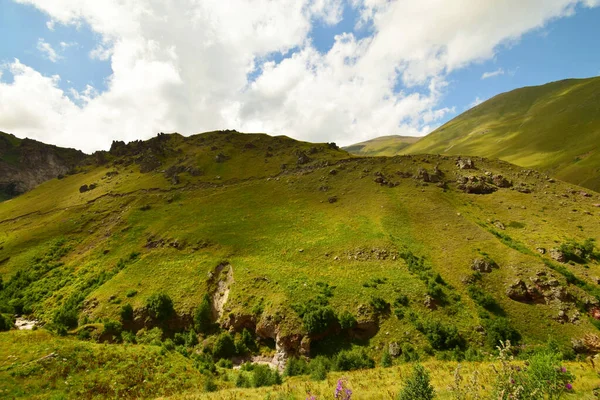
(382, 146)
(287, 244)
(529, 127)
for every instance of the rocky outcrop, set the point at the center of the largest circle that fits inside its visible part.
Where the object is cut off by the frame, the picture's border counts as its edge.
(25, 163)
(483, 265)
(465, 163)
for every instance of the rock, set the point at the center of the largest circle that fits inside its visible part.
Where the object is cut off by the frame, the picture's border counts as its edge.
(302, 158)
(585, 194)
(333, 172)
(394, 349)
(475, 185)
(332, 199)
(595, 205)
(175, 179)
(501, 181)
(558, 255)
(465, 163)
(83, 188)
(305, 346)
(541, 250)
(430, 302)
(249, 145)
(483, 265)
(519, 291)
(499, 225)
(422, 175)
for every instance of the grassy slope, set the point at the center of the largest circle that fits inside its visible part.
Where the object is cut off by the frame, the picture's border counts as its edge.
(382, 146)
(553, 128)
(282, 236)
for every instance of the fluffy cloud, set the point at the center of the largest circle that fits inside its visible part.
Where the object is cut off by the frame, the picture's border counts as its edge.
(195, 65)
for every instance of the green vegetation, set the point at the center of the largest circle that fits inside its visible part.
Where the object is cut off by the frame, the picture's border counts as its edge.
(244, 257)
(529, 127)
(417, 387)
(382, 146)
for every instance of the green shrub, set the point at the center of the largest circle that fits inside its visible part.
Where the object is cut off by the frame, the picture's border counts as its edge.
(128, 337)
(224, 363)
(386, 358)
(349, 360)
(498, 330)
(210, 385)
(295, 367)
(160, 306)
(131, 293)
(242, 381)
(440, 336)
(6, 323)
(203, 315)
(379, 305)
(318, 367)
(153, 336)
(112, 329)
(224, 346)
(318, 319)
(401, 301)
(126, 313)
(418, 386)
(483, 299)
(263, 375)
(409, 353)
(347, 320)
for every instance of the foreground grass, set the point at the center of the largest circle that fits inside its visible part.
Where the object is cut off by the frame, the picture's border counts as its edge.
(386, 383)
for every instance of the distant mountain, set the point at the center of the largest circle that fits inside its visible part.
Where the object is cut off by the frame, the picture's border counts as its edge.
(382, 146)
(25, 163)
(554, 128)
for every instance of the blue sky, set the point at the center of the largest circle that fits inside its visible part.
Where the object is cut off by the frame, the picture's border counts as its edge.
(565, 46)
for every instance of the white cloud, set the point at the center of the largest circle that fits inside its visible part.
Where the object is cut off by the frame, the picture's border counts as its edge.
(492, 74)
(46, 49)
(184, 66)
(475, 103)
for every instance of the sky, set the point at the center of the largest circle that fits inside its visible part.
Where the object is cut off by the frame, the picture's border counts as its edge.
(82, 73)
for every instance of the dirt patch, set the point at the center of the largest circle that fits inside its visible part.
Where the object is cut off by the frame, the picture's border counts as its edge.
(224, 278)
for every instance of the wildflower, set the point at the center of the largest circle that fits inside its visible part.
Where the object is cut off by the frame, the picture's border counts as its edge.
(569, 386)
(563, 370)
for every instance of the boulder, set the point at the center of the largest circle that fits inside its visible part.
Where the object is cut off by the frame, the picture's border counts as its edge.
(465, 163)
(558, 255)
(302, 158)
(483, 265)
(501, 181)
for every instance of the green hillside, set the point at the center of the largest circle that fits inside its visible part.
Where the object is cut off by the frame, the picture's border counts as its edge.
(382, 146)
(554, 128)
(297, 250)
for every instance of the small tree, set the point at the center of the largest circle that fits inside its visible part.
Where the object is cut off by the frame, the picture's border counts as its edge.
(417, 387)
(203, 315)
(160, 306)
(127, 313)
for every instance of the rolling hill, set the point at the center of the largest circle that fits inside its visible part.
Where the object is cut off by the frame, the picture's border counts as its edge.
(554, 128)
(382, 146)
(250, 247)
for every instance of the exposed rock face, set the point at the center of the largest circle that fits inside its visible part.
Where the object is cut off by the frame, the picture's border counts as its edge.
(558, 255)
(465, 163)
(475, 185)
(501, 181)
(25, 163)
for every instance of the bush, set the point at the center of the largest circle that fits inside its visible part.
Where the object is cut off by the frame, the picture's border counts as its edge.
(126, 313)
(349, 360)
(112, 329)
(5, 323)
(203, 315)
(224, 346)
(295, 367)
(409, 353)
(347, 320)
(152, 336)
(386, 358)
(379, 305)
(131, 293)
(263, 375)
(318, 367)
(401, 301)
(440, 336)
(483, 299)
(210, 385)
(160, 306)
(417, 387)
(318, 319)
(223, 363)
(499, 330)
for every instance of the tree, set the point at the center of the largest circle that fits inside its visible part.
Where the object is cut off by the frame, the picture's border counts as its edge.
(417, 387)
(160, 306)
(203, 315)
